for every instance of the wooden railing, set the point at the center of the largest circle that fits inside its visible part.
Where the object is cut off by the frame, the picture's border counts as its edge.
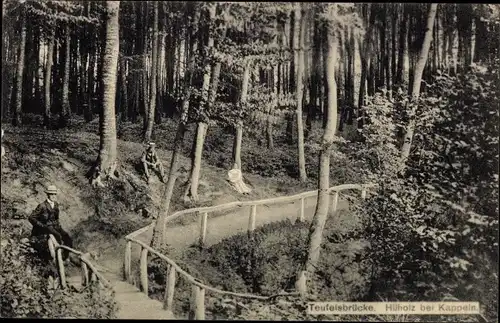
(89, 272)
(197, 307)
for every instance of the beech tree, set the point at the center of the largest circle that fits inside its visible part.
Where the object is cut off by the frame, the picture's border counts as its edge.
(334, 16)
(416, 83)
(106, 163)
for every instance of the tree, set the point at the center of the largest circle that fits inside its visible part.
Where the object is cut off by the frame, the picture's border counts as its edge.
(239, 127)
(417, 80)
(66, 110)
(209, 90)
(159, 232)
(320, 215)
(154, 72)
(299, 43)
(106, 163)
(48, 78)
(20, 73)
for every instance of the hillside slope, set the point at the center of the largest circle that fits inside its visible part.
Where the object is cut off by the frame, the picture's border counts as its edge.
(98, 218)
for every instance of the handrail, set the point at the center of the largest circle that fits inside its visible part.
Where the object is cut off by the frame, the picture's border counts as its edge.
(273, 200)
(196, 282)
(197, 309)
(56, 253)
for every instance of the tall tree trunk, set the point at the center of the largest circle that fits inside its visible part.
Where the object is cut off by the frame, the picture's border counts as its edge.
(318, 223)
(274, 107)
(292, 67)
(106, 163)
(239, 126)
(159, 232)
(402, 69)
(159, 66)
(66, 109)
(207, 99)
(123, 81)
(144, 77)
(315, 77)
(300, 25)
(88, 111)
(417, 79)
(154, 67)
(365, 55)
(47, 79)
(19, 76)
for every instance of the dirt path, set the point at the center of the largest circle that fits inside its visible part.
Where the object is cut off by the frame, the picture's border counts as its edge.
(180, 237)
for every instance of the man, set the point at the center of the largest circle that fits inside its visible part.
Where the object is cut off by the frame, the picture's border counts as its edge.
(45, 221)
(150, 159)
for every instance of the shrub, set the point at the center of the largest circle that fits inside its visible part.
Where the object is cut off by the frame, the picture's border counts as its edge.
(427, 241)
(268, 264)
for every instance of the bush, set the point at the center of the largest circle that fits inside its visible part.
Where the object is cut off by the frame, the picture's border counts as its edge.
(268, 263)
(423, 246)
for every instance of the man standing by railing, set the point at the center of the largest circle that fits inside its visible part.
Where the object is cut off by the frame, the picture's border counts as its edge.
(45, 221)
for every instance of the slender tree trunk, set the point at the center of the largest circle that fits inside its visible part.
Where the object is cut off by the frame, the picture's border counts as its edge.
(269, 121)
(239, 126)
(315, 78)
(48, 74)
(154, 67)
(292, 74)
(202, 125)
(365, 55)
(106, 163)
(159, 231)
(394, 50)
(159, 106)
(19, 77)
(318, 223)
(417, 79)
(144, 79)
(300, 25)
(66, 109)
(403, 63)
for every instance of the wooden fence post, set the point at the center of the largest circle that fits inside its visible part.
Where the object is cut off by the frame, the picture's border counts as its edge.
(363, 192)
(128, 261)
(85, 274)
(301, 216)
(60, 265)
(169, 288)
(335, 200)
(144, 271)
(203, 228)
(197, 308)
(301, 284)
(52, 249)
(251, 222)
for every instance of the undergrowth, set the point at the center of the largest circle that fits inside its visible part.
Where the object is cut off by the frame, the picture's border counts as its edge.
(267, 263)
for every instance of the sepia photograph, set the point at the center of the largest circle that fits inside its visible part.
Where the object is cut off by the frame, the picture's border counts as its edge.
(276, 161)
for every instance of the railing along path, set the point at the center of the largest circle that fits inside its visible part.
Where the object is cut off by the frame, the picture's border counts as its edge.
(89, 271)
(197, 307)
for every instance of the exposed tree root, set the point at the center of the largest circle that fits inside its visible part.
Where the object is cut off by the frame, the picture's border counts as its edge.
(96, 175)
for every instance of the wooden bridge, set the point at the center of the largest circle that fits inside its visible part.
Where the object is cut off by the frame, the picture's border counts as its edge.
(134, 302)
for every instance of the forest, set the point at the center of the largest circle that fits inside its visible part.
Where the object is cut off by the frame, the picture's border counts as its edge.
(405, 96)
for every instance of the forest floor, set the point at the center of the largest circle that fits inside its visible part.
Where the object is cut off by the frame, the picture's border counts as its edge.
(36, 157)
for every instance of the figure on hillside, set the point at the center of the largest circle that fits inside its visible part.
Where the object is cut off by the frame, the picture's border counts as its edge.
(150, 159)
(45, 221)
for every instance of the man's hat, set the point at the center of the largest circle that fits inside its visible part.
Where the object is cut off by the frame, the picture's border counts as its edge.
(51, 189)
(151, 144)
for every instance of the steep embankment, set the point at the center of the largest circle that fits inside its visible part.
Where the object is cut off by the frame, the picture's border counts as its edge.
(97, 218)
